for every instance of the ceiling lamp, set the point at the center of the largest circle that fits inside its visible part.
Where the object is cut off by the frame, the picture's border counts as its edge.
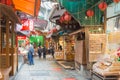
(90, 13)
(7, 2)
(102, 6)
(61, 19)
(55, 29)
(58, 27)
(67, 17)
(116, 1)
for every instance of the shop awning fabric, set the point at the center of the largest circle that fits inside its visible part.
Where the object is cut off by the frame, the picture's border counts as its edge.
(30, 7)
(56, 14)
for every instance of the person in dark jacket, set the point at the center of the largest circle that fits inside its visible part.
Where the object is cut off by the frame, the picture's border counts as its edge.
(44, 52)
(39, 51)
(52, 51)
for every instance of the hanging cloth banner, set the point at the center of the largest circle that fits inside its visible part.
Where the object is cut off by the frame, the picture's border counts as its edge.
(28, 6)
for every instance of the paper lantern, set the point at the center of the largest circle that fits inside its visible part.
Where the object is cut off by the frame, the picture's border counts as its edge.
(58, 27)
(116, 1)
(102, 6)
(54, 30)
(65, 13)
(67, 17)
(50, 32)
(61, 19)
(90, 13)
(9, 2)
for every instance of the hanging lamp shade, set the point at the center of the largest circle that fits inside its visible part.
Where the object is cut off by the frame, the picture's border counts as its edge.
(61, 19)
(67, 17)
(28, 6)
(116, 1)
(90, 13)
(7, 2)
(55, 29)
(102, 6)
(58, 27)
(50, 32)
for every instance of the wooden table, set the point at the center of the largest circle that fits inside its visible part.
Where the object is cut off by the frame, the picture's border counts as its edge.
(107, 76)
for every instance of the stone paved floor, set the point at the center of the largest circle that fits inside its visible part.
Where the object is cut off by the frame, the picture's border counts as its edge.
(47, 70)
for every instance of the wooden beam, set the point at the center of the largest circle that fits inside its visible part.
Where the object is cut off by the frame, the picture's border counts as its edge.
(73, 33)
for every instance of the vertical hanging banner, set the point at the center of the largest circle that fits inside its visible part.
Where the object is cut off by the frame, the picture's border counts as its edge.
(28, 6)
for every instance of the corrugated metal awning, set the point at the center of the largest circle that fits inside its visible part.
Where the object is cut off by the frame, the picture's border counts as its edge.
(56, 13)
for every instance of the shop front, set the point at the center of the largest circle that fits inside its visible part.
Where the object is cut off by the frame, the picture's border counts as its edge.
(108, 64)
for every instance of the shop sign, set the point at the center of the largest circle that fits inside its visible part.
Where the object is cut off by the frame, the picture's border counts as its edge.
(21, 37)
(27, 25)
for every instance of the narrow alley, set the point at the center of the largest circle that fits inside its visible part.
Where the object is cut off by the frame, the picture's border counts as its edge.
(47, 69)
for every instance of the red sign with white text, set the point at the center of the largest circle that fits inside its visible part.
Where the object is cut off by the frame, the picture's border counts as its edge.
(27, 25)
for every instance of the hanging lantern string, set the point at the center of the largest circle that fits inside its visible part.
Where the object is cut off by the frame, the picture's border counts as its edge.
(89, 8)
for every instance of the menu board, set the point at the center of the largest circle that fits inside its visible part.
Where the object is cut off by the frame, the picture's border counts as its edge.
(97, 46)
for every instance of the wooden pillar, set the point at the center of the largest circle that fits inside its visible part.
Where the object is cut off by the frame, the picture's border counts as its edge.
(12, 48)
(87, 46)
(105, 20)
(7, 44)
(0, 41)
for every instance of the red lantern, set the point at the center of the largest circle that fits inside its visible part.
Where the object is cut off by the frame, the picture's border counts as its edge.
(61, 19)
(102, 6)
(67, 17)
(66, 13)
(116, 1)
(54, 30)
(9, 2)
(50, 32)
(90, 13)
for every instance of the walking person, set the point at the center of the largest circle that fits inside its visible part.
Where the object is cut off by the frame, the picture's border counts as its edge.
(39, 51)
(30, 55)
(44, 52)
(52, 51)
